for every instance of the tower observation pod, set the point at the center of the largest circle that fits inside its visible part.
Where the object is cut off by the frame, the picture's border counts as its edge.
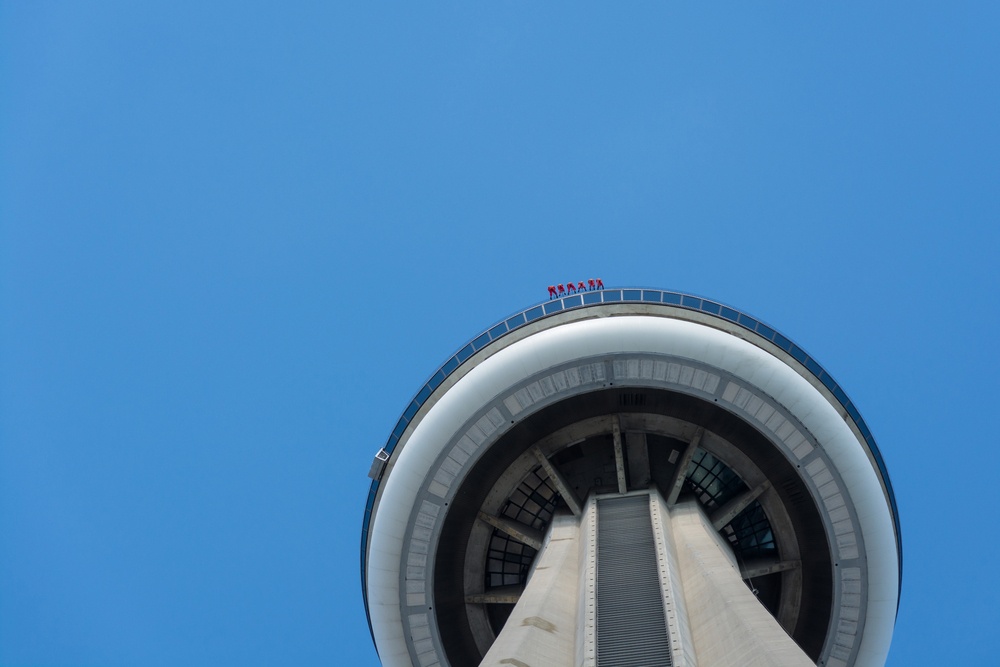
(630, 477)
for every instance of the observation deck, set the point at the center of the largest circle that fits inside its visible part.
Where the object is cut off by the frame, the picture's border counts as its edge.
(617, 392)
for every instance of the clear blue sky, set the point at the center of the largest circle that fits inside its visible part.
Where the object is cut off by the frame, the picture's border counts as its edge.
(236, 237)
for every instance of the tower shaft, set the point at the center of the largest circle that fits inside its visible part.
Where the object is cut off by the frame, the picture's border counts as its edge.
(633, 582)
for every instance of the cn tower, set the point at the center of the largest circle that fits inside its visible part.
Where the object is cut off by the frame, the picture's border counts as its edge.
(631, 477)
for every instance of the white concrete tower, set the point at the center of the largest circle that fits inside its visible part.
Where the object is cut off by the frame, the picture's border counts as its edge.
(630, 477)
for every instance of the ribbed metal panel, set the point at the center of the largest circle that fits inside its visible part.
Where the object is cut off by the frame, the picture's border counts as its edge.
(631, 627)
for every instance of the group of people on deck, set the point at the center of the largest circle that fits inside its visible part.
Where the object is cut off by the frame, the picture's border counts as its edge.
(556, 291)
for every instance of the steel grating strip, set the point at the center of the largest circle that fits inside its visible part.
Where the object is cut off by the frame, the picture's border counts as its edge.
(631, 625)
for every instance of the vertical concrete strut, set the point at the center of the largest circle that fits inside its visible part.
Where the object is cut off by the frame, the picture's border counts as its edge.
(638, 459)
(616, 433)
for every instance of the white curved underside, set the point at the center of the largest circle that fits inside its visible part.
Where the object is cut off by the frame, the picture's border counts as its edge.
(613, 335)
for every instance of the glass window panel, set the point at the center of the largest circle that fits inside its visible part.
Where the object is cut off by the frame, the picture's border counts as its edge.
(765, 331)
(514, 322)
(863, 427)
(671, 297)
(840, 395)
(481, 342)
(713, 479)
(710, 307)
(436, 381)
(752, 535)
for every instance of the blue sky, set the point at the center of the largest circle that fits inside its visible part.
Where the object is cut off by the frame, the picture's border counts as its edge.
(235, 238)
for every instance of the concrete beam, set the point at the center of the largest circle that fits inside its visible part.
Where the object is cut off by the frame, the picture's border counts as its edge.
(516, 529)
(616, 433)
(728, 512)
(763, 568)
(501, 595)
(564, 489)
(682, 465)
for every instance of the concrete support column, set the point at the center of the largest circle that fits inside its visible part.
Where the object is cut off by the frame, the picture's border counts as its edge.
(730, 627)
(542, 629)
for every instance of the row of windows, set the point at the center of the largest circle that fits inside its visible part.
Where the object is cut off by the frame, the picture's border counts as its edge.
(712, 481)
(532, 504)
(715, 484)
(534, 501)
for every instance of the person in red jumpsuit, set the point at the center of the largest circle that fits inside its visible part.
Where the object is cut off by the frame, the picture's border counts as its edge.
(562, 290)
(590, 284)
(600, 284)
(570, 287)
(580, 287)
(552, 291)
